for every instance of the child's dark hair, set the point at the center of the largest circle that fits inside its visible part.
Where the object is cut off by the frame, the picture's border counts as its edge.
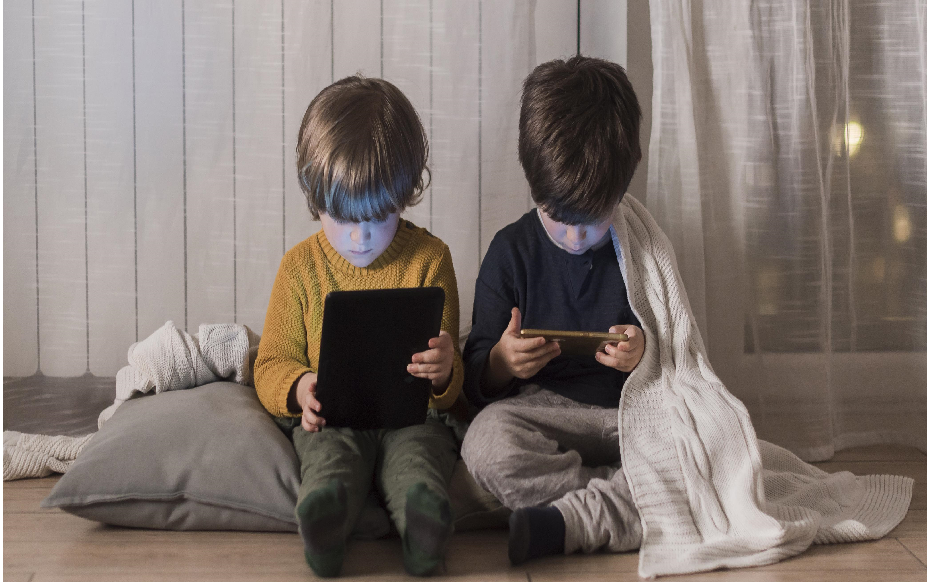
(578, 137)
(362, 151)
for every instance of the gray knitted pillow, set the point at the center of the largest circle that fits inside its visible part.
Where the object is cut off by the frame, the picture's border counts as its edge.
(211, 458)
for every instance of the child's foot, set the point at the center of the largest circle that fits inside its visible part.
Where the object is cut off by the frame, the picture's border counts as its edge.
(429, 526)
(322, 516)
(535, 532)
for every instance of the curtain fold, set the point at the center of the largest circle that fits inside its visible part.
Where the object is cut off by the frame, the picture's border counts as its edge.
(788, 165)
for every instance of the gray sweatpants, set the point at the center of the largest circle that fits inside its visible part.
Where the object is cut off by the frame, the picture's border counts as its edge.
(540, 448)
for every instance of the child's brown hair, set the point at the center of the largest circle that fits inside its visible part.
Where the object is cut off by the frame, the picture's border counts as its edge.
(578, 137)
(362, 151)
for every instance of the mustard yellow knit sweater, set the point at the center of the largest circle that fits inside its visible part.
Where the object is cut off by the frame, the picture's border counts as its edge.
(309, 271)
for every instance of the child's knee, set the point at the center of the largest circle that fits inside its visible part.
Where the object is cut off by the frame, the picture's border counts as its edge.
(490, 439)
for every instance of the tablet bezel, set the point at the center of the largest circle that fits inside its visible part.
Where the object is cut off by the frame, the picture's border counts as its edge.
(368, 338)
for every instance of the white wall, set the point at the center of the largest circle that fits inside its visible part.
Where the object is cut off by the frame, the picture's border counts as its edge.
(149, 148)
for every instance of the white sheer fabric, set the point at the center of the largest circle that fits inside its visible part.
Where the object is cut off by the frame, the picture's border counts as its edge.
(788, 165)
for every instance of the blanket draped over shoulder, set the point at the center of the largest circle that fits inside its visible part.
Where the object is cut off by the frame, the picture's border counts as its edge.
(709, 493)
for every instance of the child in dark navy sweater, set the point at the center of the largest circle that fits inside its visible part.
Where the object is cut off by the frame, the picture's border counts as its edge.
(546, 443)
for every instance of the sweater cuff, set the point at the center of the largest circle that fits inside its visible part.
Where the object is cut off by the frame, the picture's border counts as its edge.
(283, 395)
(447, 398)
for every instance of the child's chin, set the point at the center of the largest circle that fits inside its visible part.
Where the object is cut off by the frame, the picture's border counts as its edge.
(361, 260)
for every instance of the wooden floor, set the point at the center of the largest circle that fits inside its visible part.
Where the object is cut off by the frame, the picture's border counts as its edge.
(43, 545)
(49, 545)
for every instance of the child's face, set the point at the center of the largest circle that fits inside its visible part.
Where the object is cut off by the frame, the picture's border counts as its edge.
(360, 243)
(575, 239)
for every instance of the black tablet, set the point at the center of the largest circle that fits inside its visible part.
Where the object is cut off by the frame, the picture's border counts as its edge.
(368, 338)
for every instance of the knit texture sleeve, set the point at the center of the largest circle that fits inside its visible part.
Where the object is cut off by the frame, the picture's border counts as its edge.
(443, 276)
(282, 355)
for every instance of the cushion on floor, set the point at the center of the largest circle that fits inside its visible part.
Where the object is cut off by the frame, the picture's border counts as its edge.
(211, 458)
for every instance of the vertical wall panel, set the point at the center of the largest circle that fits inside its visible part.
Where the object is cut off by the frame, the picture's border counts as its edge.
(307, 70)
(406, 57)
(162, 211)
(20, 327)
(259, 168)
(358, 39)
(61, 193)
(190, 197)
(555, 30)
(507, 59)
(604, 30)
(455, 143)
(110, 184)
(210, 188)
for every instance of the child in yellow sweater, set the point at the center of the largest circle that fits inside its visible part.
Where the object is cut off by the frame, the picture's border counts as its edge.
(361, 158)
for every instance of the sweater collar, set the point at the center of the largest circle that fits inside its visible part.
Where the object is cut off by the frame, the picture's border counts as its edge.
(395, 248)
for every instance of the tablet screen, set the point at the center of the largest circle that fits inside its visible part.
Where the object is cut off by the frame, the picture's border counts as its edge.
(368, 338)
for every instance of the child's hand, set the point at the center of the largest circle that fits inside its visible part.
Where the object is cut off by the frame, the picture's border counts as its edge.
(520, 357)
(623, 356)
(305, 396)
(436, 363)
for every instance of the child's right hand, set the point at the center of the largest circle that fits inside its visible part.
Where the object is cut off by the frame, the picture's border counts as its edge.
(514, 356)
(305, 396)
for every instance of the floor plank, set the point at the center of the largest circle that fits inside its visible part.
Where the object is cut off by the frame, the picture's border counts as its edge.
(44, 483)
(886, 554)
(914, 524)
(752, 576)
(46, 545)
(25, 499)
(880, 453)
(917, 546)
(266, 577)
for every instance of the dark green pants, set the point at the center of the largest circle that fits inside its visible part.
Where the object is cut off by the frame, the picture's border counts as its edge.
(393, 460)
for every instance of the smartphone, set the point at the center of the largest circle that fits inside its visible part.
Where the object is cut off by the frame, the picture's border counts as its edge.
(577, 343)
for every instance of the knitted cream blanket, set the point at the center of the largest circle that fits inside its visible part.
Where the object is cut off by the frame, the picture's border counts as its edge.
(709, 493)
(171, 359)
(168, 359)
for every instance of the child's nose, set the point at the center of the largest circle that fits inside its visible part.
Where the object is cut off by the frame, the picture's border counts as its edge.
(360, 234)
(575, 235)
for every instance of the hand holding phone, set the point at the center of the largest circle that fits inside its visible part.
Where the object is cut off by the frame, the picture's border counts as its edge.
(626, 355)
(515, 356)
(577, 343)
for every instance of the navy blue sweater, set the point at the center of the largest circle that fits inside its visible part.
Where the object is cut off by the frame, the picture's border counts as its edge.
(554, 290)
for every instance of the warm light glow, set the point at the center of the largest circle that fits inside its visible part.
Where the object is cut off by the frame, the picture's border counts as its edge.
(849, 139)
(902, 224)
(853, 135)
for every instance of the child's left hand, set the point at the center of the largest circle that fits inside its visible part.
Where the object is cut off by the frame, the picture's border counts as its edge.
(436, 363)
(623, 356)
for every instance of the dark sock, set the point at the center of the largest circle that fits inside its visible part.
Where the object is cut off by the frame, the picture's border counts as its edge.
(535, 532)
(322, 516)
(429, 525)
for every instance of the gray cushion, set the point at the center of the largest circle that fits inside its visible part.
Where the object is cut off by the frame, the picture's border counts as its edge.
(205, 458)
(211, 458)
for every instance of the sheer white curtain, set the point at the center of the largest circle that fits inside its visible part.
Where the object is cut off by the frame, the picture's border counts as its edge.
(788, 165)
